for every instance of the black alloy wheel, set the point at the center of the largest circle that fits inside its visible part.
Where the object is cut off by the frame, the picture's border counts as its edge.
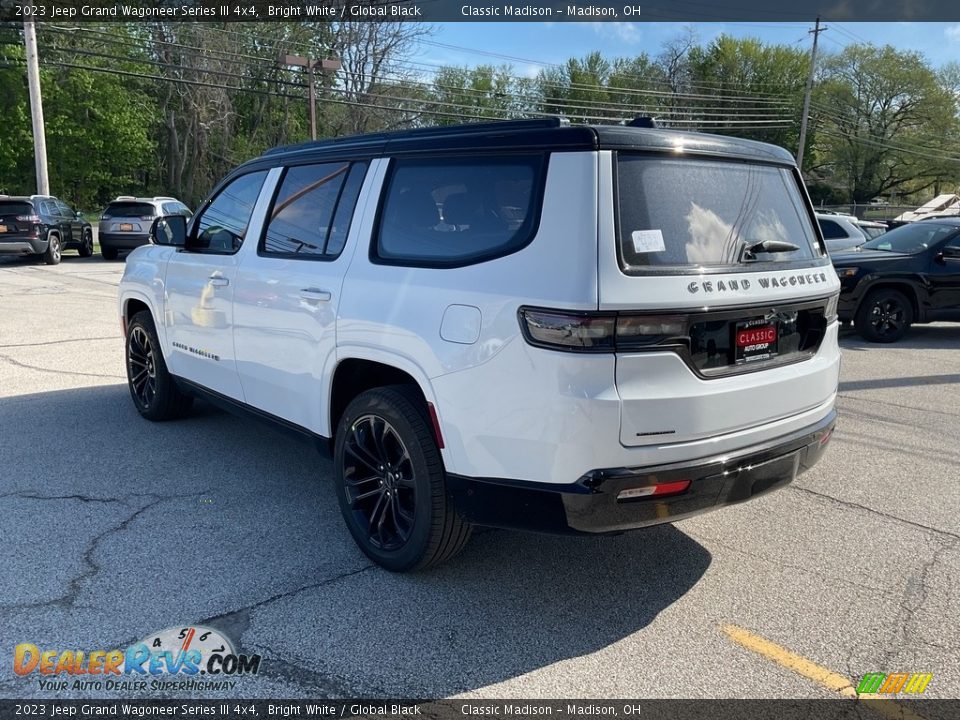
(86, 245)
(390, 481)
(154, 391)
(884, 316)
(378, 475)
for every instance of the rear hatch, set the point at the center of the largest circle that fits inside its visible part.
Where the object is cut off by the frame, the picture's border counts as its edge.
(128, 217)
(16, 218)
(723, 295)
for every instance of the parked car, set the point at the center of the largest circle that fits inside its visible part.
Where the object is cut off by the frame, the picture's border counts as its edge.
(910, 274)
(44, 226)
(126, 221)
(840, 232)
(520, 324)
(872, 228)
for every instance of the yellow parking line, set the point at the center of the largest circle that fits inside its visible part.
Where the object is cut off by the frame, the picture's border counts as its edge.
(817, 673)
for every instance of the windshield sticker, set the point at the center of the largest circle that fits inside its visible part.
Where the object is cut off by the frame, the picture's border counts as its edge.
(646, 241)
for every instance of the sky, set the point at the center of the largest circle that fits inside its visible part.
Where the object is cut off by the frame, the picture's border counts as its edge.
(531, 44)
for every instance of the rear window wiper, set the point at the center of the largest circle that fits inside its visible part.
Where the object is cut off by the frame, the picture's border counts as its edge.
(749, 251)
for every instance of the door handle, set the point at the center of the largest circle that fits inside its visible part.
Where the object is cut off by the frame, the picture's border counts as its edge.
(315, 294)
(219, 281)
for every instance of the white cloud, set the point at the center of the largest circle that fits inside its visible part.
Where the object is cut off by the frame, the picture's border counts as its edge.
(625, 32)
(953, 33)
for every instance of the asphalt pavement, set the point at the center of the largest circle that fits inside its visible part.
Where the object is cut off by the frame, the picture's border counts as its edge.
(113, 528)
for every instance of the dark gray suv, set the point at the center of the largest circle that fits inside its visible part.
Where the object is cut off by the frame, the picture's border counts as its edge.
(43, 226)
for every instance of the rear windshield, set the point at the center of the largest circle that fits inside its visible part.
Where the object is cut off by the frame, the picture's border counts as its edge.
(15, 208)
(130, 209)
(676, 213)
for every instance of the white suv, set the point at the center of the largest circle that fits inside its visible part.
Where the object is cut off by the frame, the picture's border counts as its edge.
(520, 324)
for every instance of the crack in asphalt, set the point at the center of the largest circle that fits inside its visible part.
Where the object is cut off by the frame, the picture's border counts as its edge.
(792, 566)
(61, 342)
(92, 568)
(82, 498)
(238, 620)
(897, 405)
(880, 513)
(17, 363)
(328, 684)
(917, 587)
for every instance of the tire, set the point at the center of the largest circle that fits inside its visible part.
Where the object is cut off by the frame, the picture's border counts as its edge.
(54, 250)
(86, 245)
(405, 497)
(109, 253)
(154, 392)
(884, 316)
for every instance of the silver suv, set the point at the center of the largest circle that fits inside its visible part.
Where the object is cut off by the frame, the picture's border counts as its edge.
(125, 224)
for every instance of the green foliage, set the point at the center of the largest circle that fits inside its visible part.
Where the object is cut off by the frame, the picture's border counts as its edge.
(886, 123)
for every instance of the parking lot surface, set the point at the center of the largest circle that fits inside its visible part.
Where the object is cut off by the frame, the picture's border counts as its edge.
(114, 528)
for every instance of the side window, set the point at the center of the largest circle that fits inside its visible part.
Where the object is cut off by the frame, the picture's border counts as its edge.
(311, 214)
(456, 211)
(64, 209)
(48, 208)
(831, 230)
(222, 224)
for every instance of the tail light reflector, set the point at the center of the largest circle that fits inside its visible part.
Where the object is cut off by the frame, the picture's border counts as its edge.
(650, 491)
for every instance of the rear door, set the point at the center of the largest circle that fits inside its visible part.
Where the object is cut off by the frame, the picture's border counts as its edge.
(723, 295)
(200, 286)
(16, 218)
(944, 278)
(288, 292)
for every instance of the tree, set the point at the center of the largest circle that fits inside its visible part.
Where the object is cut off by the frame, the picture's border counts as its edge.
(885, 122)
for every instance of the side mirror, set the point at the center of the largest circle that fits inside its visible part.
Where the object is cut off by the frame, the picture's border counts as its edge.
(950, 252)
(169, 230)
(79, 215)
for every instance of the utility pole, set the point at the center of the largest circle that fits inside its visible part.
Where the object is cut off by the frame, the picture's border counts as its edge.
(806, 96)
(310, 64)
(36, 107)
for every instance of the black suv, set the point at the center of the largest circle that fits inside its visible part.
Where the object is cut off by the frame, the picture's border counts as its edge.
(910, 274)
(42, 225)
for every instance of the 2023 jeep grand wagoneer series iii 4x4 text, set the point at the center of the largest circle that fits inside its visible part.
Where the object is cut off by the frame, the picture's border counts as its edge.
(521, 324)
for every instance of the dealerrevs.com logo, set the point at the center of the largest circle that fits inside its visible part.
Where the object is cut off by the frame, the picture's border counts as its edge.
(179, 658)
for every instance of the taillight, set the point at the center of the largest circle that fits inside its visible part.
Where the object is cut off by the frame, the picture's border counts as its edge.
(146, 217)
(105, 217)
(28, 218)
(589, 332)
(831, 310)
(599, 332)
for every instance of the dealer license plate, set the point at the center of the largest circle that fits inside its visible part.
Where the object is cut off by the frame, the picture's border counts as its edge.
(755, 340)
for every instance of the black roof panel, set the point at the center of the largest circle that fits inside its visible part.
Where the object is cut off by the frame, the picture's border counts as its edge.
(540, 134)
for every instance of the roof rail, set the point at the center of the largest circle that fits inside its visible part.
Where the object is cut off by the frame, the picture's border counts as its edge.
(473, 128)
(163, 197)
(125, 197)
(643, 122)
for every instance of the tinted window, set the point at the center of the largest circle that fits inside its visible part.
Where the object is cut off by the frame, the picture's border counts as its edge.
(130, 209)
(459, 210)
(223, 223)
(312, 211)
(910, 238)
(682, 212)
(64, 209)
(48, 208)
(831, 230)
(16, 208)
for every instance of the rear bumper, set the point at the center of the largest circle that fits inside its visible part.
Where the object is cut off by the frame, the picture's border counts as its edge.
(123, 241)
(22, 245)
(590, 505)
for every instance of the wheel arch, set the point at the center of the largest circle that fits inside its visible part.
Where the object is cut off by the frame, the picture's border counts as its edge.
(906, 287)
(359, 371)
